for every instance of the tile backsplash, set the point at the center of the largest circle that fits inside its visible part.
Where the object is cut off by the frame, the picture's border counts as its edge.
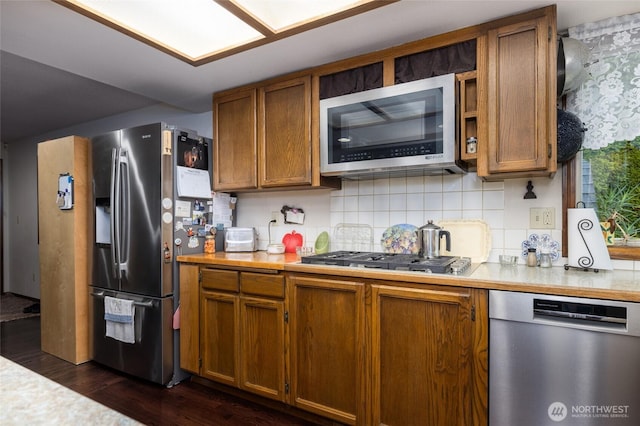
(386, 201)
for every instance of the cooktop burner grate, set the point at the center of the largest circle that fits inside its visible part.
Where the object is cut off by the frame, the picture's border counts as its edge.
(393, 261)
(332, 258)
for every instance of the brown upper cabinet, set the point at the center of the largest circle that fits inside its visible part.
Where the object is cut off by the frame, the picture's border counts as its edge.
(263, 138)
(521, 92)
(267, 136)
(468, 114)
(234, 141)
(284, 133)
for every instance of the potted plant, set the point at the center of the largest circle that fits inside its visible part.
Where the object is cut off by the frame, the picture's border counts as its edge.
(619, 211)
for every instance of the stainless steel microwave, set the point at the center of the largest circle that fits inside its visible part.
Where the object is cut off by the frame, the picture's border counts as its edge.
(410, 126)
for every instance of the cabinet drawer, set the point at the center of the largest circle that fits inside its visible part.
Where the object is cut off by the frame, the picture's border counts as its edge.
(262, 284)
(218, 279)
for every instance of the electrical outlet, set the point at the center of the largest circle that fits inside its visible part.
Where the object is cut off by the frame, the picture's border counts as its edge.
(277, 217)
(542, 218)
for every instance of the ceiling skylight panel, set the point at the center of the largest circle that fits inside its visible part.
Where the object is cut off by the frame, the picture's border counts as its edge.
(193, 28)
(281, 14)
(201, 31)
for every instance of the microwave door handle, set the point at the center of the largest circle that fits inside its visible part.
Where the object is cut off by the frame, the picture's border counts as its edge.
(114, 194)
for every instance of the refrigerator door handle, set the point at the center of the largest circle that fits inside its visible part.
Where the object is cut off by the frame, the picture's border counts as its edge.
(124, 228)
(141, 304)
(147, 304)
(114, 195)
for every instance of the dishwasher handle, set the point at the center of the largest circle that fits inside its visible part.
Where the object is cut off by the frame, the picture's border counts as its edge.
(584, 314)
(576, 316)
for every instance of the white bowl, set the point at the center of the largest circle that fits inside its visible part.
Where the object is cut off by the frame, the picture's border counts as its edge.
(275, 248)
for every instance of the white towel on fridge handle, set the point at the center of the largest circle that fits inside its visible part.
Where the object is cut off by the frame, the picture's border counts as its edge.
(119, 317)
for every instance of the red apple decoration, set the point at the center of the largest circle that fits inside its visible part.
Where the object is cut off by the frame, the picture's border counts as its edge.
(291, 241)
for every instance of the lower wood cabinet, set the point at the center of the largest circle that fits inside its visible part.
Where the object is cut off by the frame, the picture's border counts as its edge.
(366, 352)
(263, 349)
(239, 322)
(219, 336)
(190, 318)
(420, 355)
(328, 347)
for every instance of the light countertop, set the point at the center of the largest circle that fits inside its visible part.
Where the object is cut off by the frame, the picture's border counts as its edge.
(256, 259)
(614, 285)
(27, 398)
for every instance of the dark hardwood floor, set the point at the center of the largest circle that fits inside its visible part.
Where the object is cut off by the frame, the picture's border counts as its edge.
(188, 403)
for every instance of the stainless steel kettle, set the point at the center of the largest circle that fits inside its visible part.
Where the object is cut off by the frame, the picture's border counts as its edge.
(429, 237)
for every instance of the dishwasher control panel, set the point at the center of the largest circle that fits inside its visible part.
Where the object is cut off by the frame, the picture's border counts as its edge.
(580, 311)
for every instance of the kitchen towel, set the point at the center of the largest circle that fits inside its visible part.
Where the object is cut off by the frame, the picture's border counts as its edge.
(119, 317)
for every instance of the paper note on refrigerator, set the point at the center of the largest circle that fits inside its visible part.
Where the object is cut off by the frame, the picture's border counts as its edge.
(221, 208)
(193, 183)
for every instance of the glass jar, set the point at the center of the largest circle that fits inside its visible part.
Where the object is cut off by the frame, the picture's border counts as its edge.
(545, 259)
(210, 244)
(532, 259)
(472, 145)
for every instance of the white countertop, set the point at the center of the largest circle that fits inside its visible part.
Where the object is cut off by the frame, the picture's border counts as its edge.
(613, 285)
(27, 398)
(557, 280)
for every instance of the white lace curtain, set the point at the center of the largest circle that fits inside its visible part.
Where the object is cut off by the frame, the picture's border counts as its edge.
(609, 102)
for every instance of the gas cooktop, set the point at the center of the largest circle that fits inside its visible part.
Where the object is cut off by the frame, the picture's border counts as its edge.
(394, 261)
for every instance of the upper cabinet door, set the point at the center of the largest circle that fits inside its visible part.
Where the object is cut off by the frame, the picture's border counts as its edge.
(284, 133)
(234, 142)
(521, 98)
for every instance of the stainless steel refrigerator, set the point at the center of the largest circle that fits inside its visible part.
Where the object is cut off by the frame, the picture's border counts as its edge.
(141, 224)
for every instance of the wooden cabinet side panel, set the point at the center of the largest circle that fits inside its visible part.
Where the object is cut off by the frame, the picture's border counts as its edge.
(262, 366)
(235, 143)
(285, 133)
(83, 232)
(480, 357)
(189, 318)
(219, 340)
(64, 249)
(420, 357)
(327, 347)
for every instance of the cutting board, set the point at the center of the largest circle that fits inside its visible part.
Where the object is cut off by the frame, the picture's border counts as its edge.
(352, 237)
(469, 238)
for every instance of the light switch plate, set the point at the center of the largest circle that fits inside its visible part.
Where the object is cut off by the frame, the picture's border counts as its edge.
(542, 218)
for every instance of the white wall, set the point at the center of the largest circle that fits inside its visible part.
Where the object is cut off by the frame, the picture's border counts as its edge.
(383, 202)
(379, 203)
(20, 198)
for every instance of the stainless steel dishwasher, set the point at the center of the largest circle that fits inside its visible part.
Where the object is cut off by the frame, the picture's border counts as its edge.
(563, 361)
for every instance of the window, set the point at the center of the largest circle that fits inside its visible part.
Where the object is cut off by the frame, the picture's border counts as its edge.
(609, 105)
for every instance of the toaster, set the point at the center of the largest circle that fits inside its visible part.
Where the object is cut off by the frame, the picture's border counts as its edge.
(240, 239)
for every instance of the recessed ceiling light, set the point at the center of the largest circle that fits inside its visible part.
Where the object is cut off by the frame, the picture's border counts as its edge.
(200, 31)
